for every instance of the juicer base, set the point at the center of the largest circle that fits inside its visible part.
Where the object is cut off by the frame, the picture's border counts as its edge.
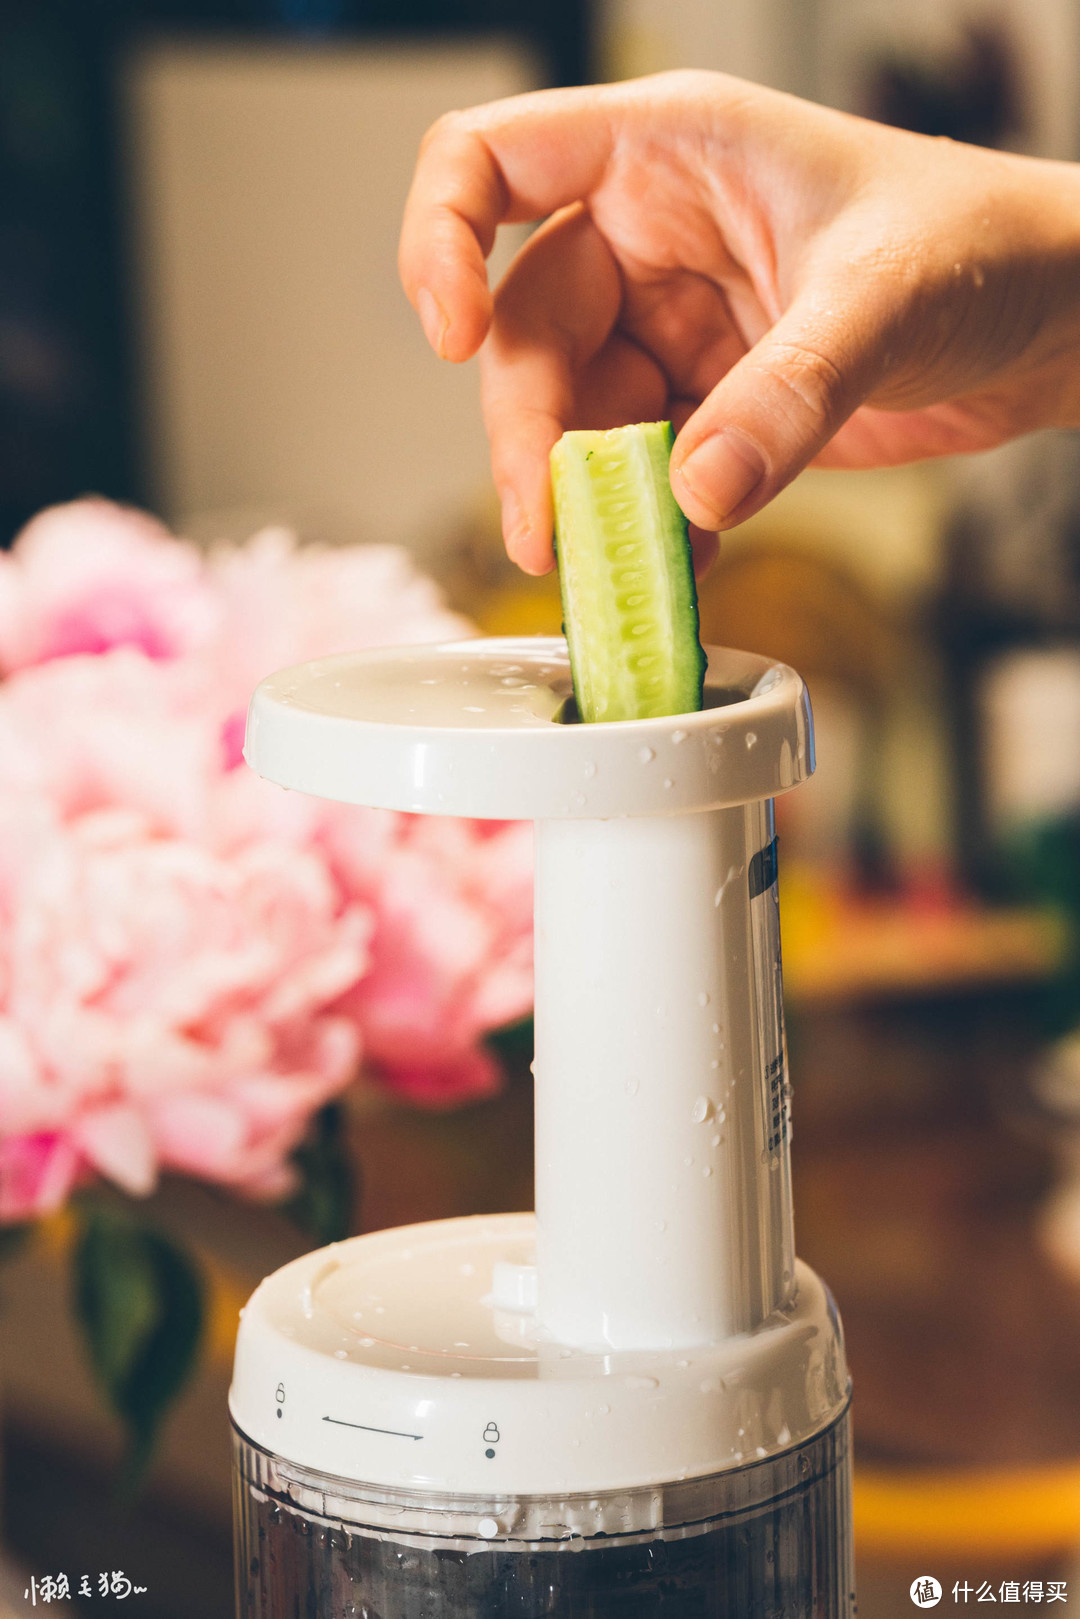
(767, 1541)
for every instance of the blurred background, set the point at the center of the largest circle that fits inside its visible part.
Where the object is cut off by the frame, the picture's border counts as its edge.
(199, 314)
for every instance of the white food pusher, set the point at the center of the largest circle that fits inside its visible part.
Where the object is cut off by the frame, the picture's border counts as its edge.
(634, 1403)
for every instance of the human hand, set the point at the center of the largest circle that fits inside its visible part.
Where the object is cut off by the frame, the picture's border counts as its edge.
(787, 283)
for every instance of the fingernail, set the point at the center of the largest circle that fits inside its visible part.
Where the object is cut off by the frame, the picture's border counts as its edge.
(517, 530)
(721, 472)
(432, 319)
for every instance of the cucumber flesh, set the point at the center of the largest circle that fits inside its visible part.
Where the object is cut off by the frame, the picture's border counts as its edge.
(626, 575)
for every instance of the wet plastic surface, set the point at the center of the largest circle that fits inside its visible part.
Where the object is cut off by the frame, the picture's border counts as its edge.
(775, 1545)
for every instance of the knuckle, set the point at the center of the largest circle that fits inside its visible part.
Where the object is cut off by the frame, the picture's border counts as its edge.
(446, 125)
(812, 382)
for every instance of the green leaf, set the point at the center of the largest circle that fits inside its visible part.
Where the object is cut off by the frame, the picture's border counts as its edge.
(513, 1043)
(325, 1201)
(139, 1301)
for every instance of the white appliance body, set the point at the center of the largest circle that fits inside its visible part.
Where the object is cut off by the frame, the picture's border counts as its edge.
(429, 1419)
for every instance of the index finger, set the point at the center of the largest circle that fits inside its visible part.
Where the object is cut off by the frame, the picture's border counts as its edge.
(503, 163)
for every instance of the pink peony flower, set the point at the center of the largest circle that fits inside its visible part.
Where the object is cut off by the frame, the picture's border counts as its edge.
(451, 951)
(37, 1172)
(191, 960)
(91, 575)
(284, 603)
(165, 1008)
(88, 733)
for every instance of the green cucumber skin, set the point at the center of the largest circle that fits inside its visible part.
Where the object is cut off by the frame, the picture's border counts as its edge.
(626, 575)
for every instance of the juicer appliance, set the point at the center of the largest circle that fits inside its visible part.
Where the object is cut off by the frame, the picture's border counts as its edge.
(633, 1403)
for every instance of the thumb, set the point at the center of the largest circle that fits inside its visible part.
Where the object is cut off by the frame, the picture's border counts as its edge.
(768, 417)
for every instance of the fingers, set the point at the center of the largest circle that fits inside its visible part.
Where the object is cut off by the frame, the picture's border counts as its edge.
(775, 410)
(455, 204)
(513, 160)
(554, 312)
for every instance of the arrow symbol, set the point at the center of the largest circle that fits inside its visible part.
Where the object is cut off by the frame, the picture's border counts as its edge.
(367, 1428)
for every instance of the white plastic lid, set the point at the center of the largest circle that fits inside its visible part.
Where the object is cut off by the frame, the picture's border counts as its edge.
(410, 1358)
(472, 728)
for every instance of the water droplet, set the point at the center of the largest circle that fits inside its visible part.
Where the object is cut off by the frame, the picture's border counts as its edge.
(341, 1354)
(642, 1383)
(678, 736)
(707, 1171)
(471, 708)
(589, 771)
(751, 739)
(716, 1140)
(468, 1270)
(704, 998)
(715, 1063)
(689, 1159)
(564, 1354)
(646, 755)
(368, 1343)
(661, 1225)
(604, 1410)
(632, 1087)
(667, 781)
(701, 1110)
(683, 1363)
(579, 799)
(711, 1385)
(716, 1028)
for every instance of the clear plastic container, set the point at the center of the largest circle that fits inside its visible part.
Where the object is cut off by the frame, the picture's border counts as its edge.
(766, 1541)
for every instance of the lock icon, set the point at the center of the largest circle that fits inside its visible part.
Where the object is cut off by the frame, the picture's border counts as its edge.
(491, 1434)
